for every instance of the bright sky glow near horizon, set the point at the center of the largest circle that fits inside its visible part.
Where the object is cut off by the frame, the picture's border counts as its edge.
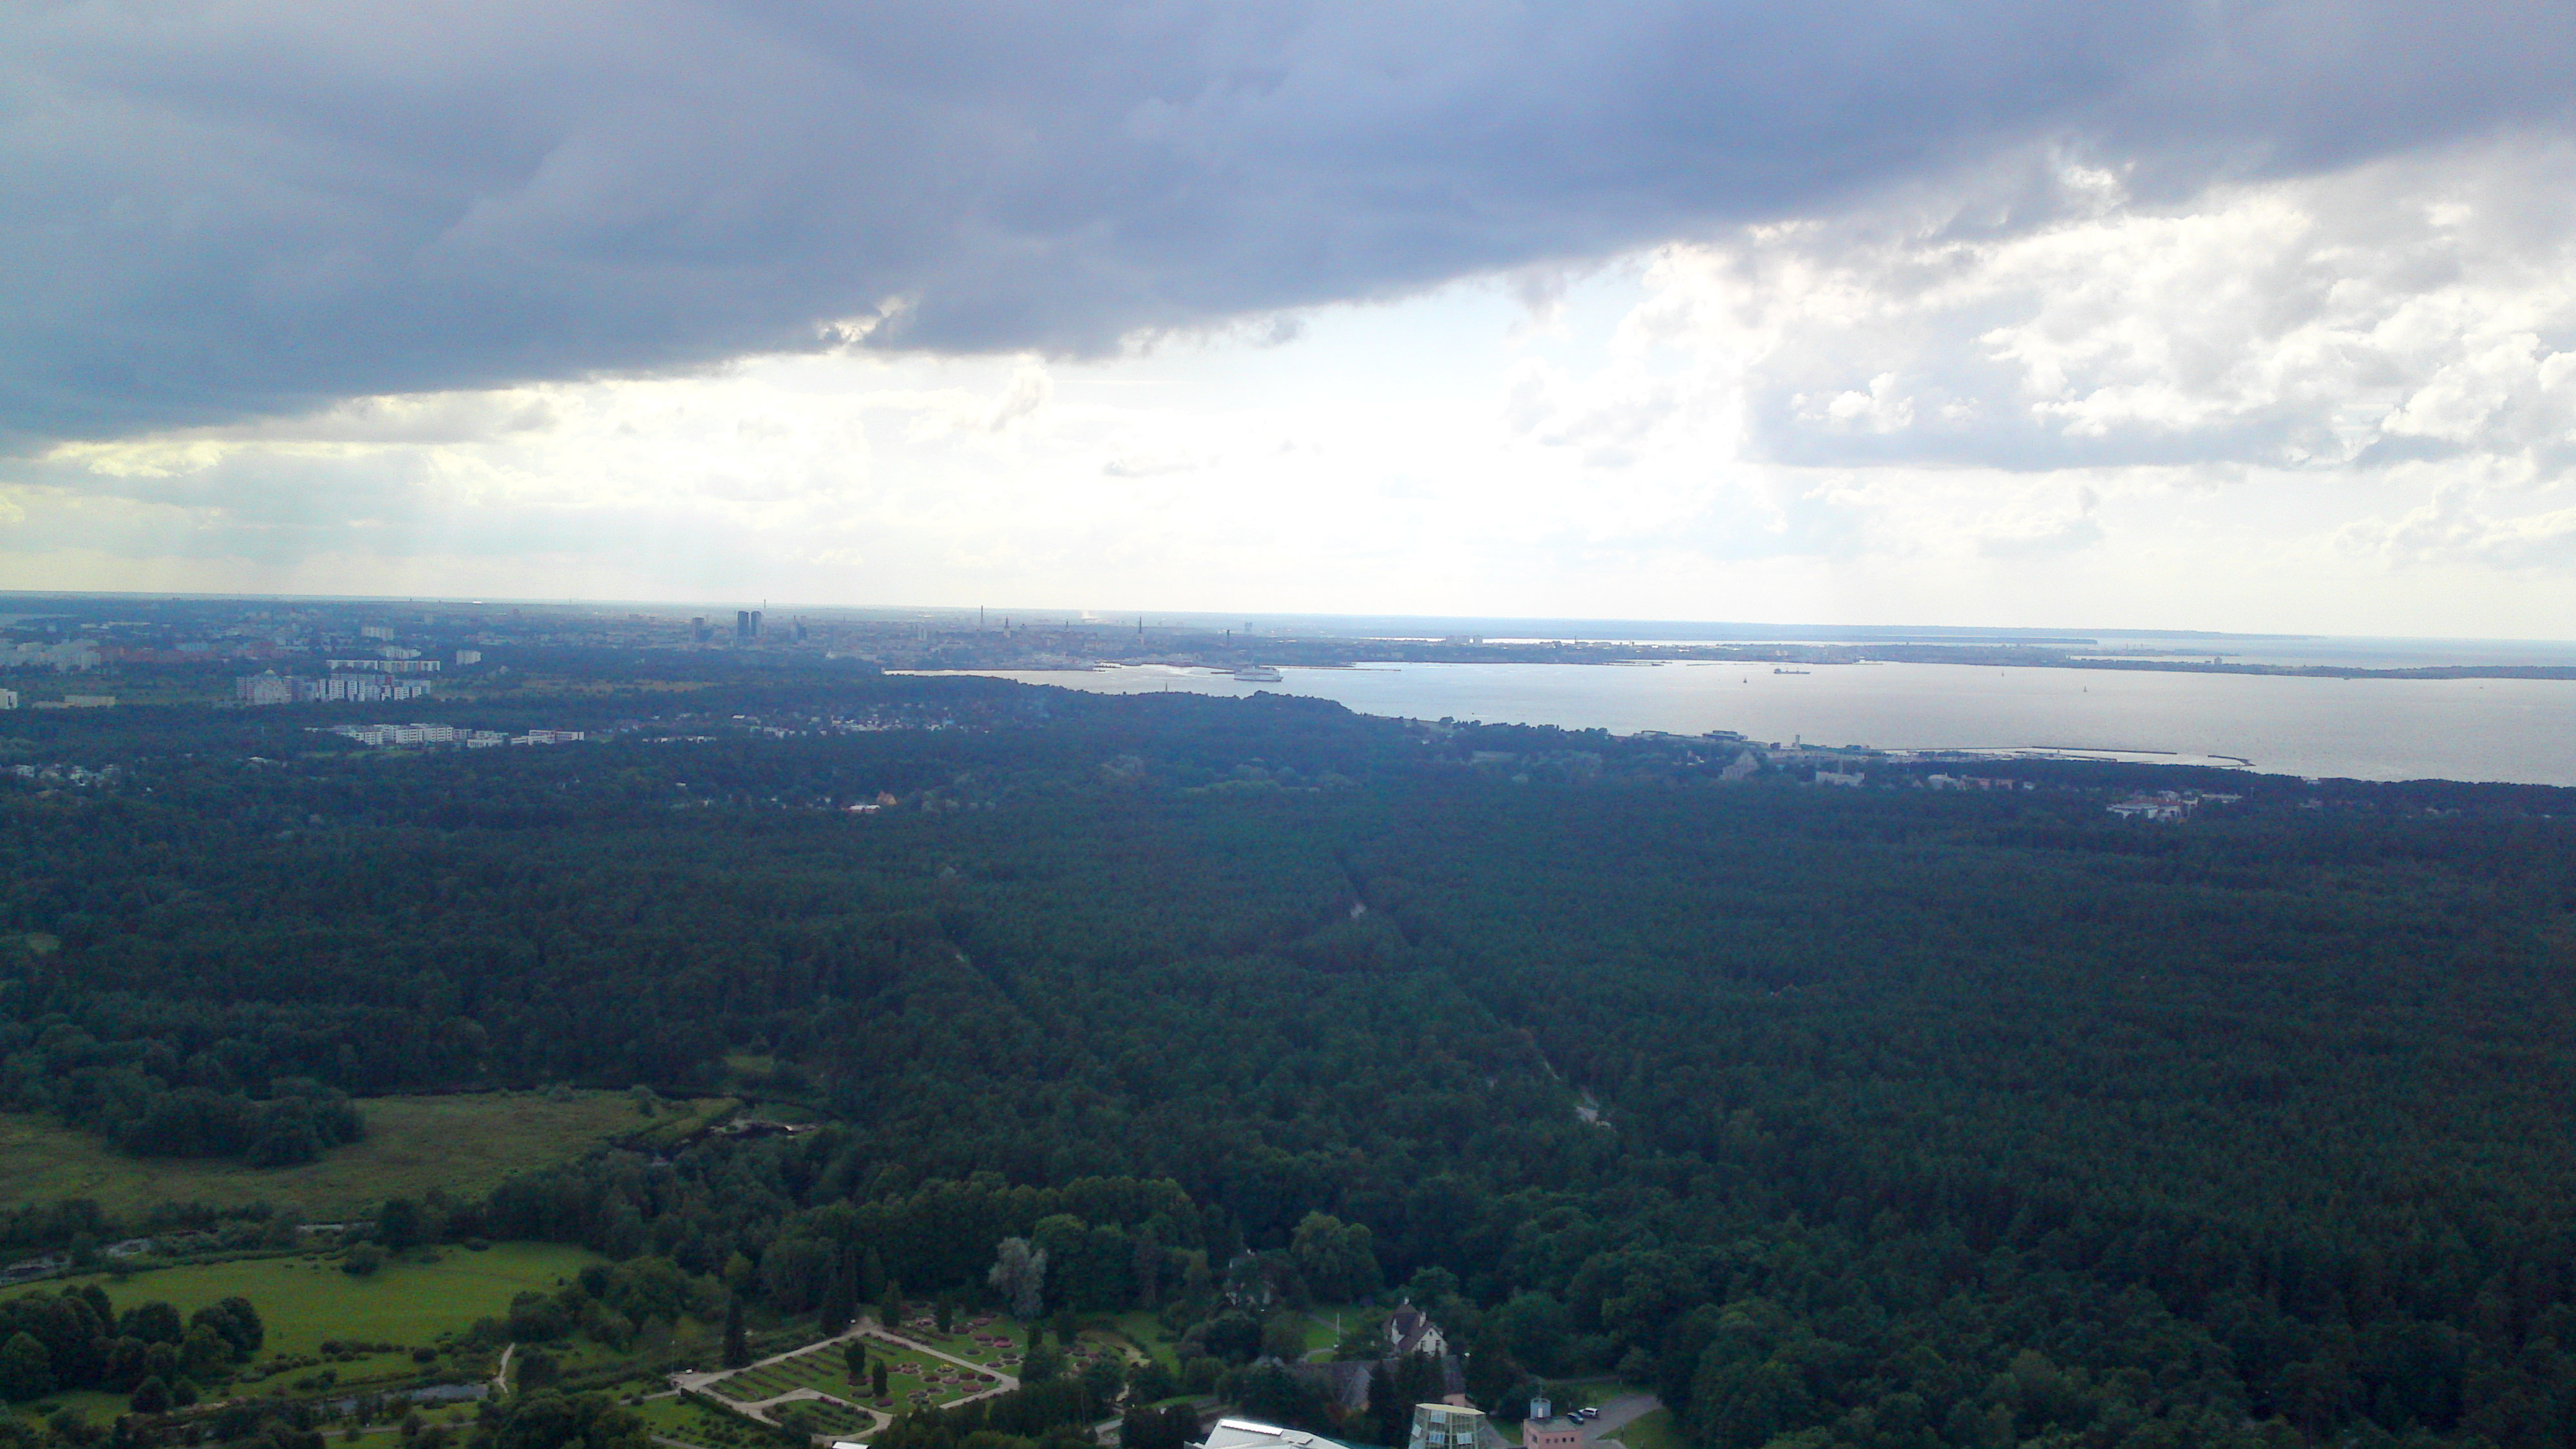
(2173, 318)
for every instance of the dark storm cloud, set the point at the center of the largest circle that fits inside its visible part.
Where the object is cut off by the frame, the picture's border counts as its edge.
(209, 211)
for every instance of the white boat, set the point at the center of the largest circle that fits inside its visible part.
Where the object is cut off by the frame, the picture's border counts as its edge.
(1256, 674)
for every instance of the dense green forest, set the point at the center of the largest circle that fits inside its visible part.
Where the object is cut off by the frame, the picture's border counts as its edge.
(1871, 1117)
(78, 1339)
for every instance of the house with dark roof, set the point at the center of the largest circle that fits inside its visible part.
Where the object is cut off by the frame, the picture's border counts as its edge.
(1410, 1330)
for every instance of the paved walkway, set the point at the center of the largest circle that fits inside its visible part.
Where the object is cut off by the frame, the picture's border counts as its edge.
(1617, 1414)
(865, 1328)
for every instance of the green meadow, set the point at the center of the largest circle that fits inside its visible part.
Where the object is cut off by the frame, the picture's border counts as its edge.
(305, 1300)
(465, 1143)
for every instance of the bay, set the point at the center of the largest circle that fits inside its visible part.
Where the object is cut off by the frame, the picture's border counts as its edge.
(2516, 730)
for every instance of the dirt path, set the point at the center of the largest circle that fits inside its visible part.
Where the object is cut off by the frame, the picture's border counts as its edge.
(501, 1379)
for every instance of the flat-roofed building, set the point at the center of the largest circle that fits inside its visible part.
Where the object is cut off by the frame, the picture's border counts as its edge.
(1544, 1429)
(1253, 1434)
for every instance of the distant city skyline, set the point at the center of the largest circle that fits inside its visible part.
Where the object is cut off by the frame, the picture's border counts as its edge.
(723, 621)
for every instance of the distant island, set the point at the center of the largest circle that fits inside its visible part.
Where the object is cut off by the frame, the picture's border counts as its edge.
(1090, 648)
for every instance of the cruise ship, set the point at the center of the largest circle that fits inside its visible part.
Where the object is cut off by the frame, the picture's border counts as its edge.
(1257, 674)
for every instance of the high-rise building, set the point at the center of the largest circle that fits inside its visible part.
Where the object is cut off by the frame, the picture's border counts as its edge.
(746, 625)
(265, 688)
(384, 666)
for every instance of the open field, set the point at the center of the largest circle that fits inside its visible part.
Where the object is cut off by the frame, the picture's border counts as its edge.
(1322, 1333)
(464, 1143)
(306, 1300)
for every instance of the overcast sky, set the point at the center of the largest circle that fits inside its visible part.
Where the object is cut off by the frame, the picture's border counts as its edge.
(2208, 315)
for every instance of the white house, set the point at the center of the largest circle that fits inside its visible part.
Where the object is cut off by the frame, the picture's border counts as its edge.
(1410, 1330)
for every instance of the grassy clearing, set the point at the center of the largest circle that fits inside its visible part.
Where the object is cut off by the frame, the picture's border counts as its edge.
(465, 1143)
(1655, 1430)
(1322, 1337)
(695, 1423)
(1094, 1344)
(1146, 1334)
(794, 1114)
(306, 1300)
(90, 1404)
(822, 1416)
(691, 1342)
(677, 1122)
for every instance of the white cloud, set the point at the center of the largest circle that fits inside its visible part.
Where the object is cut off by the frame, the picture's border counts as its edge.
(2450, 529)
(2058, 531)
(1882, 409)
(2315, 323)
(250, 209)
(1610, 418)
(1028, 391)
(2338, 403)
(1150, 464)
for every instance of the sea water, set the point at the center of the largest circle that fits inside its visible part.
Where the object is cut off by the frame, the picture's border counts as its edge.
(2519, 730)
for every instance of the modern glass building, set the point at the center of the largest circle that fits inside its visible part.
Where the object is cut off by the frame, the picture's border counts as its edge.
(1447, 1426)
